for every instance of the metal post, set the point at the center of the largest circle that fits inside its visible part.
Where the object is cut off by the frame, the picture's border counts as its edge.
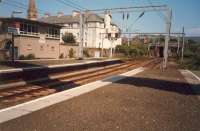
(129, 39)
(81, 24)
(102, 45)
(111, 49)
(167, 37)
(178, 45)
(183, 44)
(13, 46)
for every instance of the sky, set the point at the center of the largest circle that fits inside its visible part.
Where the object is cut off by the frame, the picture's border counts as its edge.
(185, 13)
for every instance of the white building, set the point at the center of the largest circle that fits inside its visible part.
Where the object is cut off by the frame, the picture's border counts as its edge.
(96, 31)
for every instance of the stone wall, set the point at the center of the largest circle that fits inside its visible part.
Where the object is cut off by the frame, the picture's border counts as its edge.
(48, 48)
(65, 49)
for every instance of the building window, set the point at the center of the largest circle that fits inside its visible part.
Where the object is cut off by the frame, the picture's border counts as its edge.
(29, 29)
(53, 33)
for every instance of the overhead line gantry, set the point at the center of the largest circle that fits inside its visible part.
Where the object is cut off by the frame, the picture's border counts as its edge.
(151, 8)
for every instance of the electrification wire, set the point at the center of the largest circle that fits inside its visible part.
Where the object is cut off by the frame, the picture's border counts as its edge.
(158, 13)
(25, 5)
(75, 4)
(14, 5)
(18, 5)
(134, 23)
(69, 5)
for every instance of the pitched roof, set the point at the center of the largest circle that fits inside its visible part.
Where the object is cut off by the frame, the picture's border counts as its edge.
(42, 23)
(72, 19)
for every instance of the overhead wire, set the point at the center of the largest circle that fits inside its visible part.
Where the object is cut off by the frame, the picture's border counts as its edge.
(158, 13)
(19, 5)
(81, 7)
(69, 5)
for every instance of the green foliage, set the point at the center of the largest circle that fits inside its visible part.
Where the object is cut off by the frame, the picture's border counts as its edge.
(22, 57)
(30, 56)
(86, 53)
(188, 53)
(191, 56)
(61, 56)
(132, 51)
(69, 38)
(71, 53)
(198, 53)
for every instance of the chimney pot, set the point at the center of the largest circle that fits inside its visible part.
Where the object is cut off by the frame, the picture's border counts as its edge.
(59, 14)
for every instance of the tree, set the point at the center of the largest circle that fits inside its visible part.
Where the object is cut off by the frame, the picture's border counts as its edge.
(69, 38)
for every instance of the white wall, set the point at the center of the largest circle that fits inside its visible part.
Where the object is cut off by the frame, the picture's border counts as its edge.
(93, 34)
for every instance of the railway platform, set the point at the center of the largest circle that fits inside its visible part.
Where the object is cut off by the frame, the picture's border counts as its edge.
(20, 66)
(141, 99)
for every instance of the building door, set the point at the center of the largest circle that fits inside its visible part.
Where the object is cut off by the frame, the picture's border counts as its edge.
(97, 54)
(161, 52)
(15, 52)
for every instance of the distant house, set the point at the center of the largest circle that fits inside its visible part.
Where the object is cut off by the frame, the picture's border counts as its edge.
(97, 29)
(31, 37)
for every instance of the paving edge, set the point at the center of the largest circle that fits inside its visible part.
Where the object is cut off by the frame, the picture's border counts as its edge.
(192, 79)
(35, 105)
(53, 66)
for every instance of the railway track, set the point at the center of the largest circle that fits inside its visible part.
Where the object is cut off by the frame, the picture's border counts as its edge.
(56, 83)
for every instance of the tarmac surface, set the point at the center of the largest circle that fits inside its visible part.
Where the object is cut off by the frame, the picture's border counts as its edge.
(150, 101)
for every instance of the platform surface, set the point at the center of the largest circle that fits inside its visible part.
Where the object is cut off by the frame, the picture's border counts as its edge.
(196, 73)
(19, 66)
(149, 101)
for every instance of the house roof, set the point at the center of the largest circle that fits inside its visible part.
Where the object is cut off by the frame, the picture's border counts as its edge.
(90, 17)
(6, 19)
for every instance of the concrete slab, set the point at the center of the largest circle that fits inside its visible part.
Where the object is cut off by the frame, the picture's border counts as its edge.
(193, 80)
(196, 74)
(29, 107)
(151, 100)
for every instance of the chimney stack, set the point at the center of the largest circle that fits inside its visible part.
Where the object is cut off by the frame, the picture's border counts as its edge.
(75, 13)
(59, 14)
(32, 11)
(46, 15)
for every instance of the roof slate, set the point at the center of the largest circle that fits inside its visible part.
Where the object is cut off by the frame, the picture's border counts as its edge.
(71, 19)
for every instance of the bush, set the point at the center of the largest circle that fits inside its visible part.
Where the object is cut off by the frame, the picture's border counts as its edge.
(61, 56)
(86, 53)
(132, 50)
(188, 53)
(22, 57)
(30, 56)
(198, 53)
(71, 53)
(191, 56)
(69, 38)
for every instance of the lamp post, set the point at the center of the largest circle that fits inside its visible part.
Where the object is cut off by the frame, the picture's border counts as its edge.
(183, 44)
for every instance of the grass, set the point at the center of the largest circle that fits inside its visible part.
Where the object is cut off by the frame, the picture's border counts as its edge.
(190, 63)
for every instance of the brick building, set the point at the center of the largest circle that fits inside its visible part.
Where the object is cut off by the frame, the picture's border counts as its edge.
(31, 37)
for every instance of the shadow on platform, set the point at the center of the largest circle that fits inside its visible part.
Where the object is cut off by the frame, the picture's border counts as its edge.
(164, 85)
(28, 75)
(44, 72)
